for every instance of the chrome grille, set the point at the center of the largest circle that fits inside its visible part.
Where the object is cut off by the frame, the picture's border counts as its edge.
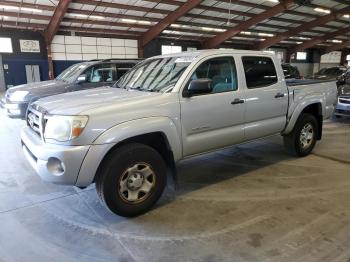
(344, 100)
(35, 120)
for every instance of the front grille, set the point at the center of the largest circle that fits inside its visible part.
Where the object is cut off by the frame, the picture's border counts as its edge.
(35, 120)
(344, 100)
(343, 112)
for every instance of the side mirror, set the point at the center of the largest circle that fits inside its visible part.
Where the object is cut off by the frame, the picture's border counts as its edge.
(199, 86)
(81, 79)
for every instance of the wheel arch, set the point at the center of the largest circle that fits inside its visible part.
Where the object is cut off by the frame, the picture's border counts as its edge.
(314, 108)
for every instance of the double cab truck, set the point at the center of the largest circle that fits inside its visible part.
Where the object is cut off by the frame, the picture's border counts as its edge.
(126, 138)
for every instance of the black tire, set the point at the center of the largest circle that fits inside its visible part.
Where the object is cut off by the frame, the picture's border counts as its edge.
(292, 141)
(113, 170)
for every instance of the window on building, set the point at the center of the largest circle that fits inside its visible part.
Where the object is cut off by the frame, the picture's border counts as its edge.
(171, 49)
(5, 45)
(301, 55)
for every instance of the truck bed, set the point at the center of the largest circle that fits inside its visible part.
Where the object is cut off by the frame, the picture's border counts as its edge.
(298, 82)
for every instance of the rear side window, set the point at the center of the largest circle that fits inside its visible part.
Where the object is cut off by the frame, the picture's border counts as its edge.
(259, 71)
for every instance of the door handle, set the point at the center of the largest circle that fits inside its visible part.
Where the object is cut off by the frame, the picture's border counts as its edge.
(237, 101)
(279, 95)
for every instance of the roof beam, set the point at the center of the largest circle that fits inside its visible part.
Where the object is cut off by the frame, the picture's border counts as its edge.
(168, 20)
(302, 28)
(318, 40)
(220, 38)
(336, 47)
(56, 19)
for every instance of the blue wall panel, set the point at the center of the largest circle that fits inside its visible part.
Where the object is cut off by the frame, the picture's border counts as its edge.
(60, 65)
(15, 74)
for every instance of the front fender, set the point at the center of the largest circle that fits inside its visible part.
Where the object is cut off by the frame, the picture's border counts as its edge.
(299, 109)
(142, 126)
(101, 146)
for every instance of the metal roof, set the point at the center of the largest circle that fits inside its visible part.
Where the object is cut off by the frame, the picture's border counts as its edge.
(133, 18)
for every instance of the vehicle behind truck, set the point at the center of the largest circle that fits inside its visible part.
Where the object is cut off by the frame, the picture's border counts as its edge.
(81, 76)
(127, 137)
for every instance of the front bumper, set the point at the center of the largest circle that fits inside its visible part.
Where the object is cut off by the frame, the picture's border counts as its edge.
(342, 110)
(13, 109)
(43, 157)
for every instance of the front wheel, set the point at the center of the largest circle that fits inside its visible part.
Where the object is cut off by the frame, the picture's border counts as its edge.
(131, 179)
(302, 140)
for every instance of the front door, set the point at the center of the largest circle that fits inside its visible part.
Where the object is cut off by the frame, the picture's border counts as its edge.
(96, 76)
(266, 98)
(214, 120)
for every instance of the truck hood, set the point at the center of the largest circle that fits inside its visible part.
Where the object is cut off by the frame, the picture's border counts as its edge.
(39, 89)
(79, 102)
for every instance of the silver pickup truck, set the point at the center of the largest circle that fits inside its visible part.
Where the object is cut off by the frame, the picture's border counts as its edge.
(125, 138)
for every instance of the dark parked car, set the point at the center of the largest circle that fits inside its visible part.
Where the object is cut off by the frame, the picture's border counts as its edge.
(85, 75)
(330, 73)
(291, 72)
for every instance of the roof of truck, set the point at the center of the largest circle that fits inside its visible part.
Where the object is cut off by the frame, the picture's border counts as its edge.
(206, 52)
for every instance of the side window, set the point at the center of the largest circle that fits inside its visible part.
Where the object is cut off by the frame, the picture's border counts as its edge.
(100, 73)
(259, 71)
(221, 71)
(121, 71)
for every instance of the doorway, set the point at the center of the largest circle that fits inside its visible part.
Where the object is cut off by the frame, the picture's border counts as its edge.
(33, 73)
(2, 76)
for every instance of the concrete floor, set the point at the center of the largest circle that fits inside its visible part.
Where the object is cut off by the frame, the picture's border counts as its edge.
(249, 203)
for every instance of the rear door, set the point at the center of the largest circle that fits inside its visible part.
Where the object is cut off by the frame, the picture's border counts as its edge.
(213, 120)
(266, 97)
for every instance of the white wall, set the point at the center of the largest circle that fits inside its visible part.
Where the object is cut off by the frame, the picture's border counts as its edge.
(88, 48)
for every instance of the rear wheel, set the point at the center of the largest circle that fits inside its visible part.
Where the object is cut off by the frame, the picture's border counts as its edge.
(131, 179)
(302, 140)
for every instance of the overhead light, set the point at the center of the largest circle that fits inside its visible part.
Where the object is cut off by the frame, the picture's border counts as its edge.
(79, 15)
(300, 38)
(209, 29)
(170, 32)
(274, 1)
(144, 22)
(175, 25)
(97, 17)
(265, 34)
(4, 16)
(335, 41)
(321, 10)
(346, 16)
(17, 8)
(299, 43)
(133, 21)
(246, 33)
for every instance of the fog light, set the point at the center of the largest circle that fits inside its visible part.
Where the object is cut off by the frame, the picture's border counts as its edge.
(55, 166)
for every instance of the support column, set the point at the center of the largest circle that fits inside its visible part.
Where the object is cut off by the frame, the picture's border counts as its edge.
(49, 61)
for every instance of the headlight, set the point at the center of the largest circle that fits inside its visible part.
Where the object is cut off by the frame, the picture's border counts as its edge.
(64, 128)
(18, 96)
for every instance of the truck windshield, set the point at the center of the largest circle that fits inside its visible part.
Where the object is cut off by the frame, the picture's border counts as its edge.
(155, 75)
(72, 72)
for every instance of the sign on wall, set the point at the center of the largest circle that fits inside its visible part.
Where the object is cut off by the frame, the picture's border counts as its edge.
(29, 46)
